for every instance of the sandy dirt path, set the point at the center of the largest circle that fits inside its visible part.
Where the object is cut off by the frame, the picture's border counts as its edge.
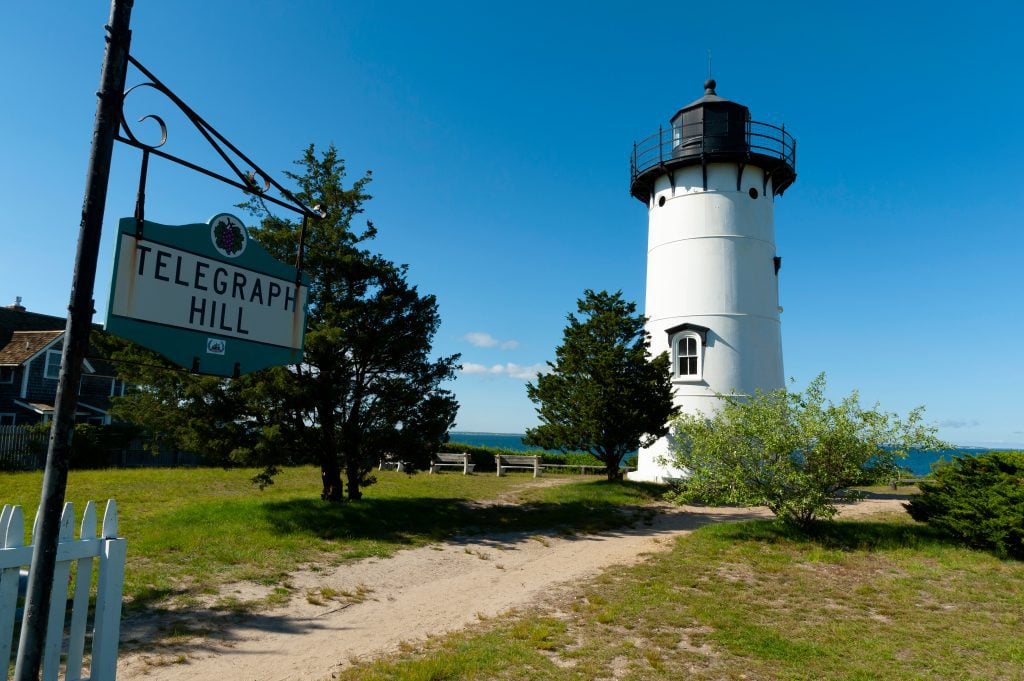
(416, 593)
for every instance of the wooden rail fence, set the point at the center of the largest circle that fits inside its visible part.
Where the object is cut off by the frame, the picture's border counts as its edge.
(21, 448)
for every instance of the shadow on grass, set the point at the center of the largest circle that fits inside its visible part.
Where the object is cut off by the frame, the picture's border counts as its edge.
(842, 535)
(593, 506)
(903, 496)
(407, 521)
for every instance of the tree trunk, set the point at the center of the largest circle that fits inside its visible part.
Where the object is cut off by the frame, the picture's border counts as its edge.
(352, 473)
(330, 475)
(330, 471)
(611, 464)
(353, 443)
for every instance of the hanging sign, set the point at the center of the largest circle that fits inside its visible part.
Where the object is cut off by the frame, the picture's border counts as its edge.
(206, 297)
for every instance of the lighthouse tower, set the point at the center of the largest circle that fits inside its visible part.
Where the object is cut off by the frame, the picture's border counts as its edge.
(709, 182)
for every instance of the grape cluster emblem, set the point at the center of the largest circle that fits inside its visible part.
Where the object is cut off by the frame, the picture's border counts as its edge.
(228, 235)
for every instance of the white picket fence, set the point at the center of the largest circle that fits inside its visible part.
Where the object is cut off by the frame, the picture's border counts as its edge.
(66, 629)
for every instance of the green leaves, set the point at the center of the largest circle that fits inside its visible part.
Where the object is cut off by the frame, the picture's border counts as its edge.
(978, 500)
(796, 453)
(603, 395)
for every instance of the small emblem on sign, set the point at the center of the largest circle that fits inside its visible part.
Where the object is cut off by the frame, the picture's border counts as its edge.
(228, 234)
(215, 346)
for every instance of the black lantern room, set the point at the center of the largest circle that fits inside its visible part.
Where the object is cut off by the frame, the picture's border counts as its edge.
(713, 129)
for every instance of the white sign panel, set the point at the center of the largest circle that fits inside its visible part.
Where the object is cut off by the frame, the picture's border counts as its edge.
(172, 287)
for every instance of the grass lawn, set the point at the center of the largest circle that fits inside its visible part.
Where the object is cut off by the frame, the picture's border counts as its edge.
(883, 598)
(190, 531)
(879, 599)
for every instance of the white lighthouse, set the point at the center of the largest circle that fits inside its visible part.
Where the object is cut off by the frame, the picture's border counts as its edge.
(709, 182)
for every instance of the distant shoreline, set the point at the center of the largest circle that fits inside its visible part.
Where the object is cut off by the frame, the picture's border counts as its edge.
(919, 462)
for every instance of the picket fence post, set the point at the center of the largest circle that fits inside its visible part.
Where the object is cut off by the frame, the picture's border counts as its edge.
(12, 538)
(108, 551)
(110, 583)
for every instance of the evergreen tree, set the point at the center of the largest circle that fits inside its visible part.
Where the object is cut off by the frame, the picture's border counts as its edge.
(604, 394)
(367, 384)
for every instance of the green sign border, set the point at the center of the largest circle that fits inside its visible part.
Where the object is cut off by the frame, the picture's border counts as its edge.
(183, 346)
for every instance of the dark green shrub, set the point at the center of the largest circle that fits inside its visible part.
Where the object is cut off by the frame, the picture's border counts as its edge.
(582, 459)
(95, 446)
(977, 499)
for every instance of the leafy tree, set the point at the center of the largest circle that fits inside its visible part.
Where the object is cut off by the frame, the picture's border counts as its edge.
(796, 453)
(367, 384)
(977, 499)
(604, 395)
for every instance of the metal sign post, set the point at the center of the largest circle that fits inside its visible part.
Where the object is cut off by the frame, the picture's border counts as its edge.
(108, 128)
(76, 341)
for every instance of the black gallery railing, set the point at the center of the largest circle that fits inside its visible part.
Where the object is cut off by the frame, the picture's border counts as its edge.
(708, 140)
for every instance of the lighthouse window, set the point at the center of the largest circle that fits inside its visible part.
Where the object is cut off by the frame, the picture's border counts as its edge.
(686, 353)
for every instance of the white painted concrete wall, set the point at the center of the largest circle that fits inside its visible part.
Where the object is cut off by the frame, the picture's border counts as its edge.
(710, 262)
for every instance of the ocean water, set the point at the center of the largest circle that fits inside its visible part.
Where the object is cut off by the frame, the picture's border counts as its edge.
(919, 462)
(513, 441)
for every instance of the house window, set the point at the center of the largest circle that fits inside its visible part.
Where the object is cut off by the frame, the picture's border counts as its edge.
(52, 368)
(7, 420)
(686, 357)
(6, 374)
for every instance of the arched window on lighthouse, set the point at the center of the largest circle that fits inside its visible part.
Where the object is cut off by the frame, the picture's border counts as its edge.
(687, 342)
(687, 352)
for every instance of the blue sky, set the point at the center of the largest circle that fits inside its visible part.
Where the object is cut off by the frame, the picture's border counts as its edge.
(499, 137)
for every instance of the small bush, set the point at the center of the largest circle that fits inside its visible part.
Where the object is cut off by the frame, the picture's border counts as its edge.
(579, 459)
(979, 500)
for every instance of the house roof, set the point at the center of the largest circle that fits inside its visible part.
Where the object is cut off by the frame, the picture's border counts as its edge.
(45, 408)
(24, 345)
(12, 319)
(24, 334)
(37, 407)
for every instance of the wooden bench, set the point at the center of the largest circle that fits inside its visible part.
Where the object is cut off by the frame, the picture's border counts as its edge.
(503, 462)
(391, 460)
(453, 460)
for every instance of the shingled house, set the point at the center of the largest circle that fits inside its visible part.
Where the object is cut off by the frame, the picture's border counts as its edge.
(30, 349)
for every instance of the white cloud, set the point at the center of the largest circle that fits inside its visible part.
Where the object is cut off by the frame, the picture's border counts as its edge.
(481, 340)
(509, 369)
(486, 340)
(959, 423)
(530, 372)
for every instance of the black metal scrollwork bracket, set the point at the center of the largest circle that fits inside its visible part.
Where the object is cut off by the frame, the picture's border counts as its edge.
(253, 181)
